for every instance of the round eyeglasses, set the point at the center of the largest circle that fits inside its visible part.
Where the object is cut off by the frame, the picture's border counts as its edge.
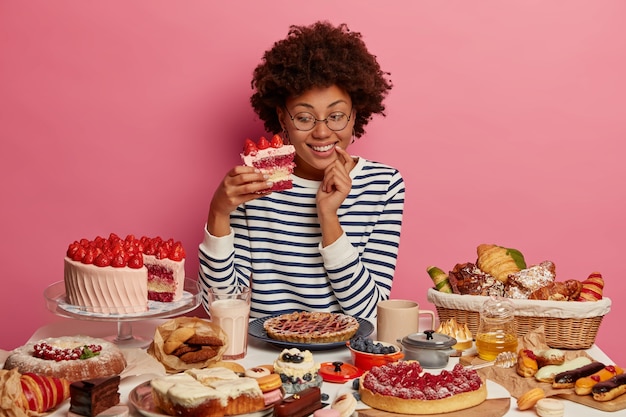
(306, 121)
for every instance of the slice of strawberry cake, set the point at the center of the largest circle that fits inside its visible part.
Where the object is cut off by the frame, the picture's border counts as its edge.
(117, 276)
(273, 158)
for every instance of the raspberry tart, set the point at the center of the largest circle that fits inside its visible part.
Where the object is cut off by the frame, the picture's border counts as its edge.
(311, 327)
(74, 358)
(403, 388)
(273, 158)
(117, 276)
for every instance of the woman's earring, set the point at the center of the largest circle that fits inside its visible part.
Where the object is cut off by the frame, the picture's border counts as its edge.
(353, 136)
(285, 137)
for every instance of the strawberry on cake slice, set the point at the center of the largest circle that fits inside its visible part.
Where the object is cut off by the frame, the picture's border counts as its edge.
(273, 158)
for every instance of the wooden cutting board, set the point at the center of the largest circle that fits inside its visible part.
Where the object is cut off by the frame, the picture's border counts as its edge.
(496, 407)
(615, 404)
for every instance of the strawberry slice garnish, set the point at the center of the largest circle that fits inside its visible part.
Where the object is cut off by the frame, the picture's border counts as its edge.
(177, 253)
(102, 260)
(249, 147)
(90, 256)
(135, 261)
(119, 259)
(263, 143)
(276, 142)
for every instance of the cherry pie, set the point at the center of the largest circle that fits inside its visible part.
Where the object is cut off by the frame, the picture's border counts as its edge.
(311, 327)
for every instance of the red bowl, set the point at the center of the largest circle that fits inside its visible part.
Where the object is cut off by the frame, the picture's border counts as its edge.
(365, 361)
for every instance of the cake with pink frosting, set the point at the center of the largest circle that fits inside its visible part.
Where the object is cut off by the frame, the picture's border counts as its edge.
(119, 276)
(273, 158)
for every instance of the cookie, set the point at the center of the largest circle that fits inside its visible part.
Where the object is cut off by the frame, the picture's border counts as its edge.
(528, 400)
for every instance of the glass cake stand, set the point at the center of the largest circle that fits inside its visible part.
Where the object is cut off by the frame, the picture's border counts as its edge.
(57, 303)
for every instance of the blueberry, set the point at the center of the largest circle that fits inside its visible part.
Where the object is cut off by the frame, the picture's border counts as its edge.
(355, 384)
(325, 397)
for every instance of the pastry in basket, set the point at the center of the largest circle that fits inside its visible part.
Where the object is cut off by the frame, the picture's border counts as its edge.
(74, 358)
(27, 394)
(297, 370)
(592, 288)
(468, 279)
(499, 262)
(403, 388)
(440, 279)
(311, 327)
(521, 284)
(187, 343)
(558, 291)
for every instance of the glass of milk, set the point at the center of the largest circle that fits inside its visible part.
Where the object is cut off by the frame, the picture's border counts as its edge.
(229, 308)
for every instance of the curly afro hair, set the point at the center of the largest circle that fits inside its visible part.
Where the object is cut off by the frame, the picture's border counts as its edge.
(319, 55)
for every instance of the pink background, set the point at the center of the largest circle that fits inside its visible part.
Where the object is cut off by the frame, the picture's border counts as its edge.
(507, 120)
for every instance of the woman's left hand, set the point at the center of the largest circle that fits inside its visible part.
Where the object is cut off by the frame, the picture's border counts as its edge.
(336, 183)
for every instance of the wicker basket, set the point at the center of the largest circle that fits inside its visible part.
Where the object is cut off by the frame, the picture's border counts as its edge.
(567, 325)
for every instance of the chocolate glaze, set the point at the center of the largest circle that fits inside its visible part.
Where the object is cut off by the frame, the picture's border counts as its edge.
(570, 377)
(609, 384)
(300, 404)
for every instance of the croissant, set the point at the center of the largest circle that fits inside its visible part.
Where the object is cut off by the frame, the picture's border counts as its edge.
(558, 291)
(440, 279)
(499, 262)
(30, 394)
(592, 288)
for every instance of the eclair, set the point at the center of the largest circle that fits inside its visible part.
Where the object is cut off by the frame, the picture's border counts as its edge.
(584, 385)
(547, 373)
(567, 379)
(610, 389)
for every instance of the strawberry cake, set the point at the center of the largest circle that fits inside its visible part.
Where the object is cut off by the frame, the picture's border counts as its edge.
(403, 388)
(273, 158)
(118, 276)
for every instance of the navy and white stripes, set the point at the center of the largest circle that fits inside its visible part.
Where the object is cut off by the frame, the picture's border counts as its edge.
(275, 241)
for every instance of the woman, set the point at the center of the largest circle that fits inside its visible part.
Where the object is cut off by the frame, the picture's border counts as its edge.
(330, 243)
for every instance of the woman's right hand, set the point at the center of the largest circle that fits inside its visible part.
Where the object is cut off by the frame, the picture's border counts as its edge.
(241, 184)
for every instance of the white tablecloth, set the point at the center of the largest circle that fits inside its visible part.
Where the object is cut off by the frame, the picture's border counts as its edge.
(260, 353)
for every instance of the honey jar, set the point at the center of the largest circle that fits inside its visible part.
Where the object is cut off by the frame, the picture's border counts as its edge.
(497, 331)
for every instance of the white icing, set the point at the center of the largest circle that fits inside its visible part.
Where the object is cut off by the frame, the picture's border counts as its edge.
(207, 374)
(106, 289)
(184, 389)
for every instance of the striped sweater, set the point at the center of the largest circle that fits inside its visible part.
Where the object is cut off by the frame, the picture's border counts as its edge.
(275, 247)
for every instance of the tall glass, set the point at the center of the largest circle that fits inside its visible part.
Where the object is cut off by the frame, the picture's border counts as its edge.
(229, 308)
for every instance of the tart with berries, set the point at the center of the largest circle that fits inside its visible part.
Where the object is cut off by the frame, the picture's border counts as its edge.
(403, 388)
(311, 327)
(118, 276)
(74, 358)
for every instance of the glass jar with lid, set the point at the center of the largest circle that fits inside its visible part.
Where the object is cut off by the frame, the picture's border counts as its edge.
(496, 332)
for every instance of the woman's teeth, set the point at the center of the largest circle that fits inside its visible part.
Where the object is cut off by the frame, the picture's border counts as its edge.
(323, 148)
